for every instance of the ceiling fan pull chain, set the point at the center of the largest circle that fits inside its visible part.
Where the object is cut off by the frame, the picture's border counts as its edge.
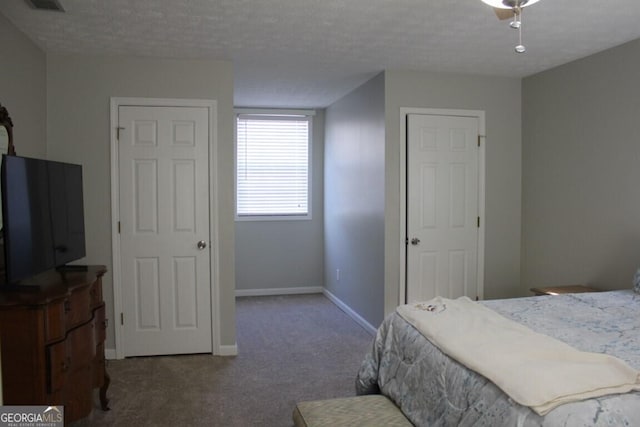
(520, 48)
(515, 24)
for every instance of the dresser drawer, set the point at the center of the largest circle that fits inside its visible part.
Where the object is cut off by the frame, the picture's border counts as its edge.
(100, 321)
(77, 308)
(96, 293)
(80, 347)
(58, 364)
(54, 321)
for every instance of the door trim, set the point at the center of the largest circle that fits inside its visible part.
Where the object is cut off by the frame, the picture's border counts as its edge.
(211, 105)
(480, 115)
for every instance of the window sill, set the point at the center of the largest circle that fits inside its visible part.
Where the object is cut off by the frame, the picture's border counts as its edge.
(259, 218)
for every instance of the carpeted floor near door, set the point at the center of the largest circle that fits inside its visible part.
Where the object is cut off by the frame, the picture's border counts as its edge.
(291, 348)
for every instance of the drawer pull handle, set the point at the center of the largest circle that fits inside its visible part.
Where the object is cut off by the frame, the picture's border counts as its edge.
(105, 324)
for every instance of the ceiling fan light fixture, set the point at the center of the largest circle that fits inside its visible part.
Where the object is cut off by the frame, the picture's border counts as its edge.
(509, 4)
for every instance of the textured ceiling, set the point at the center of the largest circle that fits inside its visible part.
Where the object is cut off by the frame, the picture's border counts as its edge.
(302, 53)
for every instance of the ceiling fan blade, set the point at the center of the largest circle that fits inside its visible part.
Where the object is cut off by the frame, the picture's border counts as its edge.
(503, 14)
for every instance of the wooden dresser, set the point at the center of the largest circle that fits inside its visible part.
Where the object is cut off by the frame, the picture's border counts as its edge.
(52, 337)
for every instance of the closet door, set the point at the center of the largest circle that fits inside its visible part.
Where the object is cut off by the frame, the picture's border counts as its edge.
(442, 206)
(164, 229)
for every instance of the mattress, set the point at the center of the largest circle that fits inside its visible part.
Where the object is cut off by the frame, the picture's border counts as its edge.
(435, 390)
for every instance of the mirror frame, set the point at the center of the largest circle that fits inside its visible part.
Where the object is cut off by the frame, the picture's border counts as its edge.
(5, 121)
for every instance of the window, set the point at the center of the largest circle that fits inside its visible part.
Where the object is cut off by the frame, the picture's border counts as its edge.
(273, 166)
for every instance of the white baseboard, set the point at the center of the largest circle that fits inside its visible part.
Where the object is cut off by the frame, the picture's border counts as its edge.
(349, 311)
(227, 350)
(224, 350)
(278, 291)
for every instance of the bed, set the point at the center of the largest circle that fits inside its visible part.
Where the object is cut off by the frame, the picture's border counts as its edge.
(435, 390)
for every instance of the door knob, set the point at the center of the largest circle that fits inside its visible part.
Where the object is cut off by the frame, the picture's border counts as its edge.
(415, 241)
(202, 244)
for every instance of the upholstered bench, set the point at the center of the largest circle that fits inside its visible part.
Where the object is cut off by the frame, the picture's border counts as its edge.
(361, 411)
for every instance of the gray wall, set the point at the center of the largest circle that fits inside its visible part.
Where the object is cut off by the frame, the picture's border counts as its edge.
(354, 199)
(500, 98)
(23, 89)
(581, 174)
(79, 90)
(286, 254)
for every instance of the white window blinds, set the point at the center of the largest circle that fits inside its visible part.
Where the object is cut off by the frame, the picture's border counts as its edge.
(272, 165)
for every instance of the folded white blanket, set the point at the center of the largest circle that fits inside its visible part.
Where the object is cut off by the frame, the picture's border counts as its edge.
(533, 369)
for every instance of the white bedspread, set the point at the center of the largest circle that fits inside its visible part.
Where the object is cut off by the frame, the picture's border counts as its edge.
(535, 370)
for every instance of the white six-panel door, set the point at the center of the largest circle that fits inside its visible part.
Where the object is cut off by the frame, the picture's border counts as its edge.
(442, 206)
(164, 229)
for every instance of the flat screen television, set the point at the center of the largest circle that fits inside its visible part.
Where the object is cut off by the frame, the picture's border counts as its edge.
(42, 215)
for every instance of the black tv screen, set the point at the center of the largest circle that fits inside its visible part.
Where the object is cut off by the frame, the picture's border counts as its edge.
(42, 215)
(67, 211)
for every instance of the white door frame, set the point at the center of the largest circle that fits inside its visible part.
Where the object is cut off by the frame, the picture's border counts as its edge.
(211, 105)
(404, 112)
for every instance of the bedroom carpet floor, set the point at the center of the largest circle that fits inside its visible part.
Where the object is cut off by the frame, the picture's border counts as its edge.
(291, 348)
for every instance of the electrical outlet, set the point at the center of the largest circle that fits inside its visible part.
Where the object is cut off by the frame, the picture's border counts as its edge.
(337, 274)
